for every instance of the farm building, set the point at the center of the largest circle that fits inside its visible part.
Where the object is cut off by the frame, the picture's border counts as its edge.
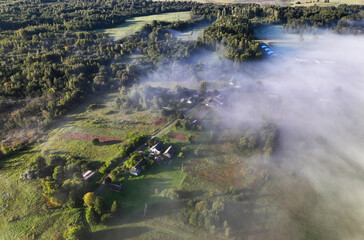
(137, 169)
(169, 152)
(157, 149)
(88, 175)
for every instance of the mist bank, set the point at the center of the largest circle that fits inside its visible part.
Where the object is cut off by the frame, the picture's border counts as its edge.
(316, 99)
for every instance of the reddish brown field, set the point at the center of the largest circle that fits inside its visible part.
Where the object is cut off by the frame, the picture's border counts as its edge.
(180, 136)
(160, 121)
(88, 137)
(201, 113)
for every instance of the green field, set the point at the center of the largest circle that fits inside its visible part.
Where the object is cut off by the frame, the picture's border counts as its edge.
(134, 24)
(106, 121)
(23, 211)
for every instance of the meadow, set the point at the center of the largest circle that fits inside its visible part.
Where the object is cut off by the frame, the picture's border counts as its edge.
(134, 24)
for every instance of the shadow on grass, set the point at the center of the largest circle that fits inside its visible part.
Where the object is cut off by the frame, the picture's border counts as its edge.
(120, 233)
(111, 142)
(154, 210)
(13, 160)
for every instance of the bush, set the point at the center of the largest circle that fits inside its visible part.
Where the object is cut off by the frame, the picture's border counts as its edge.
(170, 193)
(100, 206)
(106, 217)
(89, 199)
(92, 106)
(95, 141)
(77, 232)
(114, 208)
(91, 216)
(193, 219)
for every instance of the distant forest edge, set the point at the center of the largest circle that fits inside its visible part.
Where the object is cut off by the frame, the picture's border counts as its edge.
(50, 63)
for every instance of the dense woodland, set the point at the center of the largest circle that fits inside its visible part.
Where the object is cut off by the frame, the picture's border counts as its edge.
(236, 35)
(48, 64)
(81, 15)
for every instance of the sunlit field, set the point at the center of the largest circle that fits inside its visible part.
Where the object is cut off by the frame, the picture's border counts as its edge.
(134, 24)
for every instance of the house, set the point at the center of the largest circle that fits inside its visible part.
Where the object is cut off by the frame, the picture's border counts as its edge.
(88, 175)
(183, 100)
(191, 100)
(169, 152)
(115, 187)
(195, 122)
(157, 149)
(137, 169)
(209, 102)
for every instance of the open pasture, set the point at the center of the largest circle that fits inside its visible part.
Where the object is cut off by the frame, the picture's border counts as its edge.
(134, 24)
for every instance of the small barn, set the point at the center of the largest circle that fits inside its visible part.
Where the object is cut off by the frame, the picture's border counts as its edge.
(88, 175)
(169, 152)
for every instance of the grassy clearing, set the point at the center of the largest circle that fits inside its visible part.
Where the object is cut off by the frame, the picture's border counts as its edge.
(22, 208)
(105, 120)
(134, 24)
(23, 212)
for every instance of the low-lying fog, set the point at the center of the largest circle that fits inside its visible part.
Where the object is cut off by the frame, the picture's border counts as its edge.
(316, 97)
(321, 107)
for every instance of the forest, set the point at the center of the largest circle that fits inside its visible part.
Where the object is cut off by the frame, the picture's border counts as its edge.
(49, 64)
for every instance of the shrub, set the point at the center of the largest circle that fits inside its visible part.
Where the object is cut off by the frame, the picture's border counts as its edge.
(193, 219)
(106, 217)
(91, 216)
(78, 232)
(95, 141)
(89, 199)
(114, 208)
(92, 106)
(100, 206)
(227, 232)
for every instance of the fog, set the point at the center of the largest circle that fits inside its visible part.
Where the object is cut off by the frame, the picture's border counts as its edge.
(314, 94)
(318, 94)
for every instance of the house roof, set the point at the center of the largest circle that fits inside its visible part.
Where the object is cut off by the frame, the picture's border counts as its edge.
(158, 146)
(87, 173)
(170, 150)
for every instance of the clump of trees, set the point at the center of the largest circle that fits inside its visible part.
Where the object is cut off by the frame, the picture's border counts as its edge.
(235, 33)
(76, 228)
(97, 211)
(265, 137)
(61, 178)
